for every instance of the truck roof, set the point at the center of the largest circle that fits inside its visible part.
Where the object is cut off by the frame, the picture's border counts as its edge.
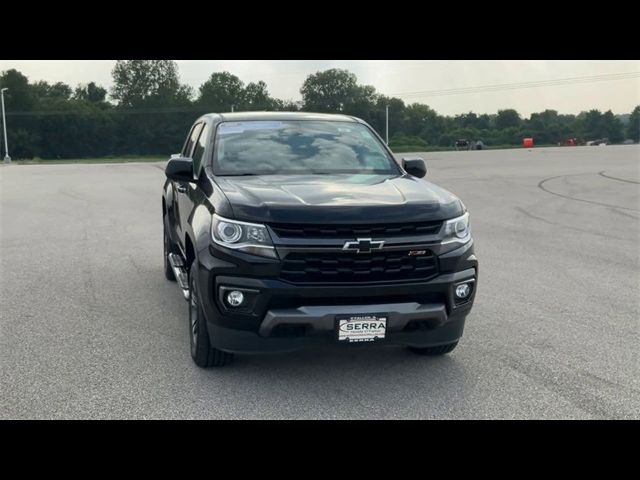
(248, 116)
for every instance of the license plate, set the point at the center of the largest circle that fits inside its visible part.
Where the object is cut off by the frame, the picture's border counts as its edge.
(361, 328)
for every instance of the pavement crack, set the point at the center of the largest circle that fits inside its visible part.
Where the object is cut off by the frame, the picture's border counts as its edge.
(602, 174)
(564, 384)
(563, 225)
(88, 273)
(569, 197)
(624, 214)
(135, 265)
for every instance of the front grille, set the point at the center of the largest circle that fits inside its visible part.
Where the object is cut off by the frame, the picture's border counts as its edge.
(349, 267)
(355, 231)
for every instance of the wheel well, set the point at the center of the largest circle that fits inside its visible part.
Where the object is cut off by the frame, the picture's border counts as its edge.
(164, 207)
(189, 251)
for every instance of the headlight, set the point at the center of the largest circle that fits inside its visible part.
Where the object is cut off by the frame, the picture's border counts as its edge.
(248, 237)
(457, 230)
(229, 232)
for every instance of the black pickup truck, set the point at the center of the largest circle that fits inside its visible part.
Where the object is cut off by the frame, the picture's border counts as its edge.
(285, 230)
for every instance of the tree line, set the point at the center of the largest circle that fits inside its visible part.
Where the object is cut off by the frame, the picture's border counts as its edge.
(148, 112)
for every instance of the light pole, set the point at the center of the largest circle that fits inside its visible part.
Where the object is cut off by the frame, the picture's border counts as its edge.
(7, 158)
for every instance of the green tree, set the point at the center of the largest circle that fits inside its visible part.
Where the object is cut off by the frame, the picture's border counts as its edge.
(286, 105)
(154, 112)
(76, 128)
(43, 89)
(328, 91)
(507, 118)
(222, 91)
(484, 122)
(184, 95)
(633, 129)
(467, 120)
(612, 127)
(468, 133)
(19, 102)
(544, 127)
(91, 93)
(424, 122)
(154, 109)
(509, 136)
(364, 103)
(589, 125)
(397, 117)
(256, 97)
(407, 141)
(19, 97)
(567, 126)
(337, 91)
(137, 81)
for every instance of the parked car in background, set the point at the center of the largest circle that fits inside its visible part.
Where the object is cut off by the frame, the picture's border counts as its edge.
(462, 144)
(598, 142)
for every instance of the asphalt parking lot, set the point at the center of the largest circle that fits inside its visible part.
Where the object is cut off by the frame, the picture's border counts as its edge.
(89, 327)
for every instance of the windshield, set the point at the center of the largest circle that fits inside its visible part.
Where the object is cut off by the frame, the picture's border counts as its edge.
(299, 147)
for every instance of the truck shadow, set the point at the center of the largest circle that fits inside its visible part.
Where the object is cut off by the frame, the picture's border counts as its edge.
(336, 356)
(343, 382)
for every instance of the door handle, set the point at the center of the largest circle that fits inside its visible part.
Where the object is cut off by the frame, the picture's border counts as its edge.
(181, 188)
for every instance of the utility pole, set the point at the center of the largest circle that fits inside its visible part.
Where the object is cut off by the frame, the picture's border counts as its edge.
(7, 158)
(231, 108)
(387, 123)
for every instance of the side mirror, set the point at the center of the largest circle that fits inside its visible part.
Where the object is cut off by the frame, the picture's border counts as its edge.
(179, 169)
(415, 166)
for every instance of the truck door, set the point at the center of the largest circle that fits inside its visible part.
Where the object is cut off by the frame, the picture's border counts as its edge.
(181, 189)
(190, 197)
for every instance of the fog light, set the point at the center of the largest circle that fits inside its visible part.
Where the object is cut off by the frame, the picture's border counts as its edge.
(462, 291)
(235, 298)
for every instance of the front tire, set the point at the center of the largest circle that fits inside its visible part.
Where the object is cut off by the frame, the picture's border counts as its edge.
(203, 354)
(434, 351)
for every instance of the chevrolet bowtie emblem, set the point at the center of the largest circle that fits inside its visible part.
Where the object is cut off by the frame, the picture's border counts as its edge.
(363, 245)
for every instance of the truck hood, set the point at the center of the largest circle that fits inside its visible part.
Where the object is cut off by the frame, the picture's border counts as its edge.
(342, 198)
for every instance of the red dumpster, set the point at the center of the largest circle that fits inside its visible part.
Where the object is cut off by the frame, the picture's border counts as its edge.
(527, 142)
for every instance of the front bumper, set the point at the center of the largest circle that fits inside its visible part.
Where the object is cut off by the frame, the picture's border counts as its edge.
(282, 316)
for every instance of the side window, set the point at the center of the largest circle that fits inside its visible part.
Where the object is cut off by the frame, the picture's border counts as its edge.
(199, 149)
(193, 136)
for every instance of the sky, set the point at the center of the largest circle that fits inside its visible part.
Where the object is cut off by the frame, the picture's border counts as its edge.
(447, 86)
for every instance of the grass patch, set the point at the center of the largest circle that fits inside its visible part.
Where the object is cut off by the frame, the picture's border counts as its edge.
(418, 148)
(433, 148)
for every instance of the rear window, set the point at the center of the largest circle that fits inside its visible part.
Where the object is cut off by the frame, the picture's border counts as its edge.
(299, 147)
